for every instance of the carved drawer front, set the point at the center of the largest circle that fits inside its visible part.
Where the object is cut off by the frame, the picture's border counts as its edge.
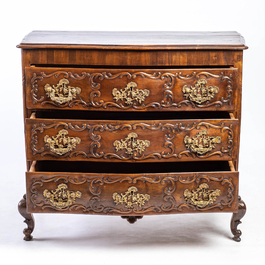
(131, 90)
(132, 194)
(131, 141)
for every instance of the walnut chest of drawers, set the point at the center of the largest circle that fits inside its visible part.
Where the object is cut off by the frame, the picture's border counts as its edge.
(132, 123)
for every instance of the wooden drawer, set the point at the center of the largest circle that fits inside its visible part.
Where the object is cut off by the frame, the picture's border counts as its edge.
(132, 140)
(131, 89)
(213, 188)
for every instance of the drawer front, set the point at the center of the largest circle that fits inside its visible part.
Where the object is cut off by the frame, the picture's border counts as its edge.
(131, 90)
(132, 194)
(131, 141)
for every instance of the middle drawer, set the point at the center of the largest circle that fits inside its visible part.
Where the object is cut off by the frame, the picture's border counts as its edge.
(132, 140)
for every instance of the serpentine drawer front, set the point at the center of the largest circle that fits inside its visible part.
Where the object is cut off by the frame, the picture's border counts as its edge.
(130, 141)
(130, 89)
(132, 194)
(132, 124)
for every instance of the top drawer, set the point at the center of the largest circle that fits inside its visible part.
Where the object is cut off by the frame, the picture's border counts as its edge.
(131, 89)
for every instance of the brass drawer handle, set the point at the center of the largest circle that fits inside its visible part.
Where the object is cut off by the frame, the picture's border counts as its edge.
(131, 144)
(60, 144)
(61, 93)
(200, 92)
(130, 198)
(201, 143)
(130, 94)
(201, 197)
(61, 198)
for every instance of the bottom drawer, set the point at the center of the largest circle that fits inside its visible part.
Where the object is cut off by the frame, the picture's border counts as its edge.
(131, 189)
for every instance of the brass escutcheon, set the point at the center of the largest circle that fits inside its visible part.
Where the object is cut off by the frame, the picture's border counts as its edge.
(60, 144)
(61, 198)
(201, 144)
(130, 94)
(61, 93)
(130, 198)
(131, 144)
(200, 93)
(201, 197)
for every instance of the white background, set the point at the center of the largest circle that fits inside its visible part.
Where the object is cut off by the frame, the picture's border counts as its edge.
(75, 239)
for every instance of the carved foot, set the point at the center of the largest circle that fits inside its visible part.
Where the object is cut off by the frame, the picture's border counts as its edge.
(29, 220)
(235, 221)
(132, 219)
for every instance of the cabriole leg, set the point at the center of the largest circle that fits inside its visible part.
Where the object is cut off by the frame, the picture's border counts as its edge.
(235, 221)
(29, 220)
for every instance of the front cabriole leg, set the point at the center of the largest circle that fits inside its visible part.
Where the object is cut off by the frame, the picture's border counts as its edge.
(29, 220)
(235, 221)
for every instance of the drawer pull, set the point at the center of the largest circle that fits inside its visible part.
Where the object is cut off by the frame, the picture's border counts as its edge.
(201, 144)
(60, 144)
(131, 144)
(61, 198)
(130, 198)
(201, 197)
(61, 93)
(130, 94)
(200, 92)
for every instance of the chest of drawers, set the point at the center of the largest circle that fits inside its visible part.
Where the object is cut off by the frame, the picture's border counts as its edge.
(132, 123)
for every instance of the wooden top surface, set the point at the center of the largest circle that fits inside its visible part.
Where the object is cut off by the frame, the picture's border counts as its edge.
(134, 40)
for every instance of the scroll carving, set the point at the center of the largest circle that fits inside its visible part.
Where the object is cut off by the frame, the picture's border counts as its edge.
(132, 201)
(134, 148)
(199, 96)
(60, 95)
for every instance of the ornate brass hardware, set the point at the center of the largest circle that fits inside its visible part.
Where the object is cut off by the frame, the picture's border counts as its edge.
(130, 94)
(201, 197)
(130, 198)
(61, 198)
(201, 143)
(200, 92)
(62, 93)
(60, 144)
(131, 144)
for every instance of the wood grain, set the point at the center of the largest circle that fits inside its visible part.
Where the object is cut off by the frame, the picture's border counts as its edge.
(165, 88)
(134, 40)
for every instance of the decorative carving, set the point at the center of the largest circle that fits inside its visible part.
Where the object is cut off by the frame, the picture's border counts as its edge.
(60, 144)
(29, 220)
(206, 75)
(167, 79)
(200, 93)
(166, 184)
(61, 198)
(130, 94)
(131, 144)
(58, 98)
(170, 132)
(130, 198)
(167, 94)
(235, 221)
(201, 197)
(201, 143)
(62, 93)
